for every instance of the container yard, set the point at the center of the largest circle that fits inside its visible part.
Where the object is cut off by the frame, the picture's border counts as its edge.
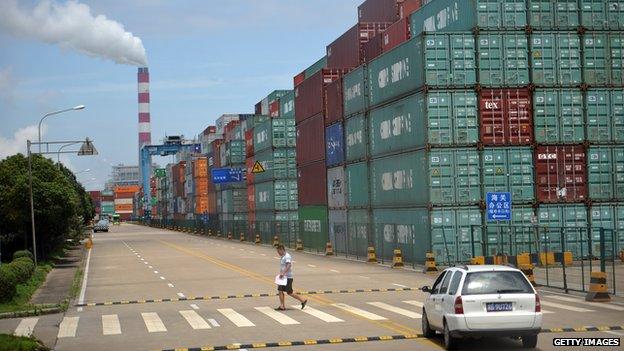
(396, 137)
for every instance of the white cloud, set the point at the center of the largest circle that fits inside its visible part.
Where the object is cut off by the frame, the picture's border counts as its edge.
(17, 143)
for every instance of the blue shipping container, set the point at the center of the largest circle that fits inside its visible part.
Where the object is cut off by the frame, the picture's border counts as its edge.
(334, 144)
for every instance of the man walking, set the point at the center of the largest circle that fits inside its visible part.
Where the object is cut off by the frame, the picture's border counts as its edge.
(286, 270)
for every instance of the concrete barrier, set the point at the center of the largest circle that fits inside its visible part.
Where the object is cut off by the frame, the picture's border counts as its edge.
(329, 249)
(598, 288)
(397, 258)
(299, 245)
(430, 264)
(372, 256)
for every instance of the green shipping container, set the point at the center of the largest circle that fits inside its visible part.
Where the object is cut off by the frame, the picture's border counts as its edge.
(558, 116)
(509, 169)
(277, 94)
(316, 66)
(605, 166)
(449, 117)
(548, 14)
(421, 178)
(283, 224)
(556, 58)
(277, 163)
(235, 152)
(434, 60)
(503, 59)
(571, 217)
(234, 200)
(275, 133)
(451, 228)
(357, 185)
(601, 14)
(463, 15)
(259, 119)
(279, 195)
(402, 228)
(605, 115)
(287, 105)
(360, 231)
(313, 228)
(609, 216)
(354, 91)
(512, 237)
(356, 137)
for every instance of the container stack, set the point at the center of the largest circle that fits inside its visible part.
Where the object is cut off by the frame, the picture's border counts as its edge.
(178, 172)
(123, 200)
(232, 196)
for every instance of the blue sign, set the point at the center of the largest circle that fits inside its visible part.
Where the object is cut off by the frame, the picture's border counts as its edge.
(498, 206)
(227, 175)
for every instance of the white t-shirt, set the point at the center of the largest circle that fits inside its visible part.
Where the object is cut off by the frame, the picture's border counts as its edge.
(285, 260)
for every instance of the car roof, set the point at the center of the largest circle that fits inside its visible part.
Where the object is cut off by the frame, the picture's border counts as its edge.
(485, 268)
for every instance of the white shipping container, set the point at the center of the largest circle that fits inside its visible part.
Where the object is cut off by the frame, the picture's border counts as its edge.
(336, 188)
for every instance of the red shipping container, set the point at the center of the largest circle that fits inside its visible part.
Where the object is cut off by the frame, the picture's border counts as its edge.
(251, 198)
(274, 108)
(258, 108)
(312, 184)
(210, 130)
(311, 140)
(251, 218)
(216, 144)
(561, 173)
(396, 34)
(310, 94)
(373, 48)
(347, 51)
(379, 11)
(249, 148)
(408, 6)
(249, 163)
(299, 78)
(333, 93)
(506, 117)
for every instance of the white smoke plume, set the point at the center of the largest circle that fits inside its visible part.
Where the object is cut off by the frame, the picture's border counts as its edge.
(71, 25)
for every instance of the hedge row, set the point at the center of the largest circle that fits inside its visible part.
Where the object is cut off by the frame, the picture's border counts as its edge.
(17, 272)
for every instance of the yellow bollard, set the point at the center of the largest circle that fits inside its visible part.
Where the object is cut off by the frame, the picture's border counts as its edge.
(397, 258)
(547, 258)
(275, 241)
(229, 236)
(372, 257)
(257, 239)
(622, 255)
(527, 269)
(500, 259)
(430, 265)
(242, 237)
(478, 260)
(598, 288)
(89, 244)
(329, 249)
(299, 245)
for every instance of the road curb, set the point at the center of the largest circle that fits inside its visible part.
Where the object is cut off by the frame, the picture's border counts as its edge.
(33, 312)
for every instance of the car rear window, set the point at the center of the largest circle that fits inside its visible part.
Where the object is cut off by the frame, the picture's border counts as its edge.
(497, 282)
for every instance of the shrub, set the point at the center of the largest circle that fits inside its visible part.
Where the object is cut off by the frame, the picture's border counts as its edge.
(24, 268)
(8, 282)
(22, 253)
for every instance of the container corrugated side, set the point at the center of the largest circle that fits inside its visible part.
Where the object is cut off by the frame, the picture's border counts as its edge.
(312, 184)
(558, 116)
(287, 105)
(275, 133)
(358, 185)
(334, 144)
(509, 169)
(450, 230)
(278, 195)
(605, 115)
(378, 11)
(354, 91)
(337, 228)
(311, 140)
(360, 231)
(336, 188)
(503, 59)
(561, 173)
(568, 216)
(277, 163)
(556, 59)
(596, 14)
(333, 93)
(506, 117)
(521, 227)
(356, 138)
(547, 14)
(402, 228)
(315, 67)
(313, 227)
(605, 167)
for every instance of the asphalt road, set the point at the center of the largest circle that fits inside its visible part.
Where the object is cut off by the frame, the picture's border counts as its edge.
(135, 263)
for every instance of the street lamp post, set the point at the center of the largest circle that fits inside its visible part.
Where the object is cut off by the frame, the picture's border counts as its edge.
(75, 108)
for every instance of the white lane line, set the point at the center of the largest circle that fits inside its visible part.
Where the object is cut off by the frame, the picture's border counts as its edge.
(181, 295)
(170, 285)
(195, 320)
(399, 285)
(414, 303)
(363, 277)
(252, 252)
(333, 270)
(110, 324)
(213, 322)
(359, 312)
(68, 326)
(277, 316)
(593, 304)
(145, 263)
(153, 323)
(238, 319)
(242, 249)
(155, 272)
(150, 267)
(142, 259)
(395, 309)
(194, 306)
(83, 290)
(162, 278)
(311, 266)
(325, 317)
(26, 327)
(565, 307)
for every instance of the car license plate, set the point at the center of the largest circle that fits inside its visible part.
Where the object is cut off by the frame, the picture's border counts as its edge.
(498, 306)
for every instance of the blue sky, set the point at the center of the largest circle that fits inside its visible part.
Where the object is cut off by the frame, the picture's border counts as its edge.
(205, 58)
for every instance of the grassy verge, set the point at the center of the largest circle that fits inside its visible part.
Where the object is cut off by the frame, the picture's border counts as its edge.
(75, 288)
(18, 343)
(25, 291)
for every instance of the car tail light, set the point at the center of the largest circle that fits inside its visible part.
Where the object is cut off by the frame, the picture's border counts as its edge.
(459, 306)
(538, 304)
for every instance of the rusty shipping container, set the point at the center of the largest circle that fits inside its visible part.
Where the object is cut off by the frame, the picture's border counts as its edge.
(506, 117)
(561, 173)
(310, 94)
(249, 163)
(407, 7)
(249, 146)
(334, 102)
(311, 140)
(251, 198)
(396, 34)
(373, 48)
(379, 11)
(347, 51)
(200, 167)
(312, 184)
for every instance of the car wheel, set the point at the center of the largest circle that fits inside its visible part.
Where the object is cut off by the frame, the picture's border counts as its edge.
(426, 328)
(449, 341)
(529, 341)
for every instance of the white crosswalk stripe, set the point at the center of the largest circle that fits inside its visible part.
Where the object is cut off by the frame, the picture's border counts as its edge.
(26, 327)
(214, 322)
(68, 327)
(395, 309)
(325, 317)
(565, 307)
(153, 323)
(587, 303)
(195, 320)
(279, 317)
(110, 324)
(359, 312)
(238, 319)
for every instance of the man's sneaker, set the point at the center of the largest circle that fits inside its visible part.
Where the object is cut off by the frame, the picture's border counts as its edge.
(303, 304)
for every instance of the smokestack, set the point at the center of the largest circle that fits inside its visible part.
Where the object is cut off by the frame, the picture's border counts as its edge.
(145, 129)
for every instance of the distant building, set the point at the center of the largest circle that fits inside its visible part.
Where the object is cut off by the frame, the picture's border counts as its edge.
(125, 175)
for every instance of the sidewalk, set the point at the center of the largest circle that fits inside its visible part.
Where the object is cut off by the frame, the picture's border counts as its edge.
(58, 284)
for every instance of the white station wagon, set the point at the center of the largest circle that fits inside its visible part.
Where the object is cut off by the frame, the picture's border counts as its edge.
(482, 301)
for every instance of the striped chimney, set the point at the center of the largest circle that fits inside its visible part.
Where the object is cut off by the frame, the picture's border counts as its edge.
(145, 130)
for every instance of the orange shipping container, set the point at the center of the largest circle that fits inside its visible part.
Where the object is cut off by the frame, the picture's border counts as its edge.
(126, 189)
(201, 186)
(123, 208)
(200, 167)
(201, 204)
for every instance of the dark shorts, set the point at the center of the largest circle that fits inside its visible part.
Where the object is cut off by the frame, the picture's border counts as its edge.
(286, 288)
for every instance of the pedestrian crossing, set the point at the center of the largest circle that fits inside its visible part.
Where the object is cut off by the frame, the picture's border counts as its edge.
(200, 320)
